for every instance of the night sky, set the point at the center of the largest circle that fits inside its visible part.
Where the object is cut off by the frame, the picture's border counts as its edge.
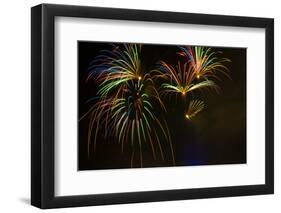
(217, 135)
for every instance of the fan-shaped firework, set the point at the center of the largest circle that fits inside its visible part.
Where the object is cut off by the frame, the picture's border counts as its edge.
(180, 79)
(204, 62)
(126, 103)
(113, 69)
(195, 106)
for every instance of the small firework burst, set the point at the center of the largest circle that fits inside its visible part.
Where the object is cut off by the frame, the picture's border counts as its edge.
(195, 106)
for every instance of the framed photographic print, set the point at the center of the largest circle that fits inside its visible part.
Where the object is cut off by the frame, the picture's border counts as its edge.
(140, 106)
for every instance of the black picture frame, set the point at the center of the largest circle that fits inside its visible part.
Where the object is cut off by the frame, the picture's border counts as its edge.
(43, 111)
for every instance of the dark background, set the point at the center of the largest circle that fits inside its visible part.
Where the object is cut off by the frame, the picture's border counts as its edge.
(217, 135)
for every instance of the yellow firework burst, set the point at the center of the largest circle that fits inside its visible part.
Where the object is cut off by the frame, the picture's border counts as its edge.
(195, 106)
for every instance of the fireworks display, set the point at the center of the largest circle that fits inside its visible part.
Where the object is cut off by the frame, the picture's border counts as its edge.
(126, 106)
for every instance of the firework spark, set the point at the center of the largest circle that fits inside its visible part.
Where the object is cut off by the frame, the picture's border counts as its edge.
(195, 106)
